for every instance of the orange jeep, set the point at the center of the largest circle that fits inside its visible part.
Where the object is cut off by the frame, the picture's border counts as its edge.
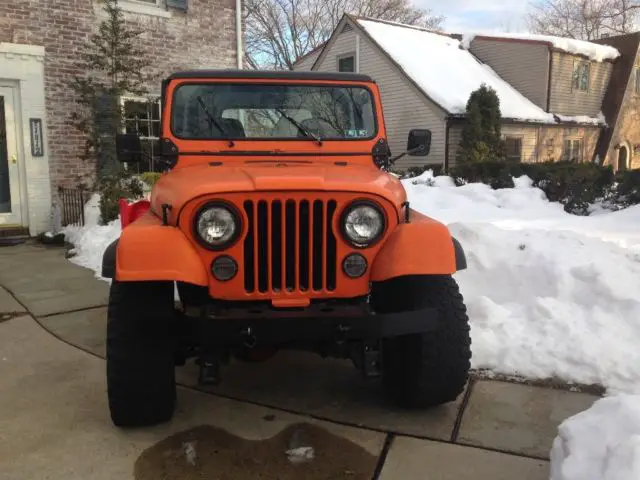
(279, 227)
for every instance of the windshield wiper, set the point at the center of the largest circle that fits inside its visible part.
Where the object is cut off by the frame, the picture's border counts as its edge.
(213, 121)
(307, 133)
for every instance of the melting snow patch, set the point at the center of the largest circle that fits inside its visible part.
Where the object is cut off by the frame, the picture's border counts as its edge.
(300, 454)
(601, 443)
(190, 455)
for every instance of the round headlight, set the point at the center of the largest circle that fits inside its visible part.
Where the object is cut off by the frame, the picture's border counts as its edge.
(216, 226)
(363, 223)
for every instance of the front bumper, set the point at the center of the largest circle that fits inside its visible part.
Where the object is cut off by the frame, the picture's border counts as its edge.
(246, 327)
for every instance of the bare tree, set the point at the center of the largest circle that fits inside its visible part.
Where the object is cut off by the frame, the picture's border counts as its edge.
(279, 32)
(584, 19)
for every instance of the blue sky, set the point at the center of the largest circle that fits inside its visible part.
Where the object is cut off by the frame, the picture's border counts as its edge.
(480, 15)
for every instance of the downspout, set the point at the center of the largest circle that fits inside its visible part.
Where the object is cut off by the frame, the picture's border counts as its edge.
(446, 144)
(239, 47)
(549, 81)
(357, 53)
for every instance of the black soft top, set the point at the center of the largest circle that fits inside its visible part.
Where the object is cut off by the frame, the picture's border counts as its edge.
(272, 75)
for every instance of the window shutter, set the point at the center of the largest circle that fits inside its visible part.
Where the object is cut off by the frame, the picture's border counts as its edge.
(178, 4)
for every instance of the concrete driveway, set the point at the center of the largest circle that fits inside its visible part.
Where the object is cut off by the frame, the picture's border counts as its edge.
(54, 420)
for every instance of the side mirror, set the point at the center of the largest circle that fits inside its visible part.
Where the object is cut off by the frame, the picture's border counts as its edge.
(128, 148)
(419, 143)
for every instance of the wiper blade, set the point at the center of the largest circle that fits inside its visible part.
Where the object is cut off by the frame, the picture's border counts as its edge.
(213, 120)
(306, 132)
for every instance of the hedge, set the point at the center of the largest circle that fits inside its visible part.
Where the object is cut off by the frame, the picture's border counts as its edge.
(575, 185)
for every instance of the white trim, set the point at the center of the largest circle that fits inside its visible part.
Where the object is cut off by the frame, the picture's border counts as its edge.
(626, 146)
(239, 46)
(19, 49)
(132, 6)
(22, 66)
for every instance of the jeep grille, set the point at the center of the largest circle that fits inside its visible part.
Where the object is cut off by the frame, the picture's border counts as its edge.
(290, 246)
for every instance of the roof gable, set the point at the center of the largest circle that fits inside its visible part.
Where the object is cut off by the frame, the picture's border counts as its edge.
(444, 71)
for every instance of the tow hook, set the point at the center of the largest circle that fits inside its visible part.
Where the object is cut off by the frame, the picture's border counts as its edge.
(249, 339)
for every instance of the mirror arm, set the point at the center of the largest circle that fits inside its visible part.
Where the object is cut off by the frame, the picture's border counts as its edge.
(393, 160)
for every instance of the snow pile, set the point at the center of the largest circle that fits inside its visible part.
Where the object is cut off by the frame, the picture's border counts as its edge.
(92, 240)
(446, 72)
(593, 51)
(601, 443)
(549, 294)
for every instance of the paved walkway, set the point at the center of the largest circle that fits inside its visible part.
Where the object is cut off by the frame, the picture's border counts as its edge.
(54, 419)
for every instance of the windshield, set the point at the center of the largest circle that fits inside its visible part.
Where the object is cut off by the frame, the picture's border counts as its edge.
(219, 111)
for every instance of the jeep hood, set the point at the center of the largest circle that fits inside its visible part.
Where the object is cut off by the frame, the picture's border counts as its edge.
(182, 185)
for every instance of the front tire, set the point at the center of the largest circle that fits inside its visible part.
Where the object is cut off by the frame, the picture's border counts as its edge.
(431, 368)
(140, 353)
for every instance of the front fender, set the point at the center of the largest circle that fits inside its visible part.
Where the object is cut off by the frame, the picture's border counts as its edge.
(149, 251)
(421, 247)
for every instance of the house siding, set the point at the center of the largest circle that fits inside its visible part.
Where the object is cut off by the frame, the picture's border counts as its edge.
(552, 142)
(524, 65)
(528, 133)
(564, 99)
(202, 37)
(540, 143)
(306, 63)
(627, 132)
(405, 107)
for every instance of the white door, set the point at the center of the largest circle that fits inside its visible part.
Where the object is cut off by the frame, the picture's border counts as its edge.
(9, 161)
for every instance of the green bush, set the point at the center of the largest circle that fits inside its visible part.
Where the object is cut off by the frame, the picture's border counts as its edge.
(114, 187)
(150, 178)
(627, 188)
(575, 185)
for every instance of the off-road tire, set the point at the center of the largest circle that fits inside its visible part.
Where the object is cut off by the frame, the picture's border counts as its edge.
(432, 368)
(140, 353)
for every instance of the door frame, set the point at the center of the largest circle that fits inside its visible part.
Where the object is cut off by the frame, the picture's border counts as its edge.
(23, 215)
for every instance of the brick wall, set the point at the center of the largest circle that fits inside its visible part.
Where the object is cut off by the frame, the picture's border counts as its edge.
(203, 37)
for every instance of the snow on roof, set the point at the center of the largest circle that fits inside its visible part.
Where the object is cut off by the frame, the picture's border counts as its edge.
(446, 72)
(593, 51)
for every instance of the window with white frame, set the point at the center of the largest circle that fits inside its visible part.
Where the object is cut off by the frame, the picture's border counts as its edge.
(141, 116)
(581, 72)
(573, 148)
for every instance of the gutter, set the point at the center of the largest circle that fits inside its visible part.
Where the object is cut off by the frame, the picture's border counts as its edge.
(239, 46)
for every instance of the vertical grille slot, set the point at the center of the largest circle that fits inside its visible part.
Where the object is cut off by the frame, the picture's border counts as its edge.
(263, 245)
(291, 250)
(332, 257)
(318, 244)
(290, 245)
(276, 246)
(303, 263)
(249, 257)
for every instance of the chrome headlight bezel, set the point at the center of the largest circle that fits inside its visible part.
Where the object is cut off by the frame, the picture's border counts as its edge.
(358, 243)
(235, 215)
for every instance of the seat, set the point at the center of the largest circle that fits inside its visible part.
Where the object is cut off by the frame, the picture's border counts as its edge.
(233, 127)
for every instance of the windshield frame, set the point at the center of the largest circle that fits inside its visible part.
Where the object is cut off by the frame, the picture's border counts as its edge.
(272, 83)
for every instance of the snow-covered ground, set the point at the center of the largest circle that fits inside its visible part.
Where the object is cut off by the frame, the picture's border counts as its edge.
(549, 294)
(601, 443)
